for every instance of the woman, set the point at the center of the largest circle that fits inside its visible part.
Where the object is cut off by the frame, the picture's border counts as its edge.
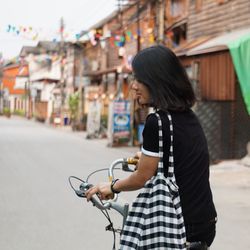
(162, 83)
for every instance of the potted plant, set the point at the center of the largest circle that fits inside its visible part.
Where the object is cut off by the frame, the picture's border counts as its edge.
(73, 109)
(6, 112)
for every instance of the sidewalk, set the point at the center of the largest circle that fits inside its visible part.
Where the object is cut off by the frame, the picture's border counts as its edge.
(230, 183)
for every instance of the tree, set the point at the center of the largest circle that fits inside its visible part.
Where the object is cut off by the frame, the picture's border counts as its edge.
(73, 108)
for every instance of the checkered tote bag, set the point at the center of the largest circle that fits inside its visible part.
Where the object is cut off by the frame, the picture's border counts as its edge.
(155, 220)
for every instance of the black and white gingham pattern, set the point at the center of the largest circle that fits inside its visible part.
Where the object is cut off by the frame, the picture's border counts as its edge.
(155, 220)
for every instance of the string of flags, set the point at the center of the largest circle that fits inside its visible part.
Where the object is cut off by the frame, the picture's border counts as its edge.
(118, 39)
(29, 32)
(94, 36)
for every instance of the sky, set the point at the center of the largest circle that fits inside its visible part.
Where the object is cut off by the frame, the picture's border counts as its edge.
(24, 23)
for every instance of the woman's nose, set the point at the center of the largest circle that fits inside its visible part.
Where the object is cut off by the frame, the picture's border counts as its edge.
(134, 85)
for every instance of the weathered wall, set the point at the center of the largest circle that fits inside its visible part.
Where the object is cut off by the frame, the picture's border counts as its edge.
(215, 18)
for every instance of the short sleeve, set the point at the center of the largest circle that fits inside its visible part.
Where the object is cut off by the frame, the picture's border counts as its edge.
(150, 135)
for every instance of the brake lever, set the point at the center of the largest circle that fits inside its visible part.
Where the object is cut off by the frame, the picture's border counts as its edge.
(82, 193)
(126, 168)
(127, 162)
(82, 189)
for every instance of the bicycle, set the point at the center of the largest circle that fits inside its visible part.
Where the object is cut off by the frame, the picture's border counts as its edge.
(104, 206)
(122, 209)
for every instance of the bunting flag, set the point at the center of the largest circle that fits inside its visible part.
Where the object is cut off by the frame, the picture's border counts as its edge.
(94, 36)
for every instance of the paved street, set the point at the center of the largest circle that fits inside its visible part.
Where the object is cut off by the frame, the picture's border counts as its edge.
(39, 211)
(231, 187)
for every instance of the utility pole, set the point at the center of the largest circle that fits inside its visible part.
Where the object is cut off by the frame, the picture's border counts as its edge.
(81, 87)
(1, 84)
(62, 55)
(161, 20)
(138, 25)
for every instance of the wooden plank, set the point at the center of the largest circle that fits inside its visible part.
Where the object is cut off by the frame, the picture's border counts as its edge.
(217, 80)
(217, 18)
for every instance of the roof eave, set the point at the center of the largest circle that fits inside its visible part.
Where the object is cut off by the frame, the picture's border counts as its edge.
(207, 50)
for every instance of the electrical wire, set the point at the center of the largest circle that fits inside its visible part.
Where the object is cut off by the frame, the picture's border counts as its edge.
(104, 212)
(110, 223)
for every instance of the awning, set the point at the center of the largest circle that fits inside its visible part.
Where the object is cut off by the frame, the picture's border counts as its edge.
(240, 52)
(218, 43)
(187, 46)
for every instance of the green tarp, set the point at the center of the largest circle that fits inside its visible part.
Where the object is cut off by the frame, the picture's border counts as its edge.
(240, 52)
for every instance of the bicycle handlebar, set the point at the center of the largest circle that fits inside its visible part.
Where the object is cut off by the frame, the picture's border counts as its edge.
(122, 209)
(125, 162)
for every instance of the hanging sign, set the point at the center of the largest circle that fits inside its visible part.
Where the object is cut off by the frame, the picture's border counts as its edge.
(121, 122)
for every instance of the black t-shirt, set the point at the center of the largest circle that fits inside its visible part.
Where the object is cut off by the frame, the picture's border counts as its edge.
(191, 161)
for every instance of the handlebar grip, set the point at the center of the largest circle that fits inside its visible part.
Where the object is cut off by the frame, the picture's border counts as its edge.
(97, 203)
(132, 161)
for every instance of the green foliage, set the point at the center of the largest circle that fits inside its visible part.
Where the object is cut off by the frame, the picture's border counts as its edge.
(19, 112)
(73, 105)
(6, 112)
(104, 121)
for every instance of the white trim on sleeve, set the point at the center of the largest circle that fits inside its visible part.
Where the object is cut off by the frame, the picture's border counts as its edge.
(150, 153)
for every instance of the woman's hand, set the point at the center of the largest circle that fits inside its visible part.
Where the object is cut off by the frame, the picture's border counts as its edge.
(138, 155)
(103, 190)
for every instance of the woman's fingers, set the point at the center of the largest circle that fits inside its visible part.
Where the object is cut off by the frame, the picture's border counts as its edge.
(92, 191)
(103, 190)
(138, 155)
(109, 197)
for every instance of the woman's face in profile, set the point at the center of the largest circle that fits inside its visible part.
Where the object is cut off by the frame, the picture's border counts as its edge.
(141, 93)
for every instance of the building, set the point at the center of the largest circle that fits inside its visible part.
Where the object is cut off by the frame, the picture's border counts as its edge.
(198, 32)
(14, 96)
(221, 107)
(53, 77)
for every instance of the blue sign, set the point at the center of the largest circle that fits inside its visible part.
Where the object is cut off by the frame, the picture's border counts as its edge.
(121, 121)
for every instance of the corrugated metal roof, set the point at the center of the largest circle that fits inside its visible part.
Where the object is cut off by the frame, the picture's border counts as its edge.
(182, 49)
(218, 43)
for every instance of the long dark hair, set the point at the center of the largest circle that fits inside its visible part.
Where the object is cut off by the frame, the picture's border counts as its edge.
(160, 70)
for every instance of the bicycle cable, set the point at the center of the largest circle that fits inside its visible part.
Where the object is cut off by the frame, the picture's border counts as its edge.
(105, 214)
(74, 177)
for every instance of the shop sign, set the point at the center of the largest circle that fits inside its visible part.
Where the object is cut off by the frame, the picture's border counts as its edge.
(121, 121)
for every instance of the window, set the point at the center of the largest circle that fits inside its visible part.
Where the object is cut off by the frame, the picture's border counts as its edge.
(193, 72)
(179, 35)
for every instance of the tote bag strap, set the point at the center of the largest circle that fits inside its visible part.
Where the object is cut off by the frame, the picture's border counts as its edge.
(171, 149)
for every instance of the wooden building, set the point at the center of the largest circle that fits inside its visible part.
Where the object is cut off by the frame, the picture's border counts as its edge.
(197, 31)
(220, 106)
(215, 17)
